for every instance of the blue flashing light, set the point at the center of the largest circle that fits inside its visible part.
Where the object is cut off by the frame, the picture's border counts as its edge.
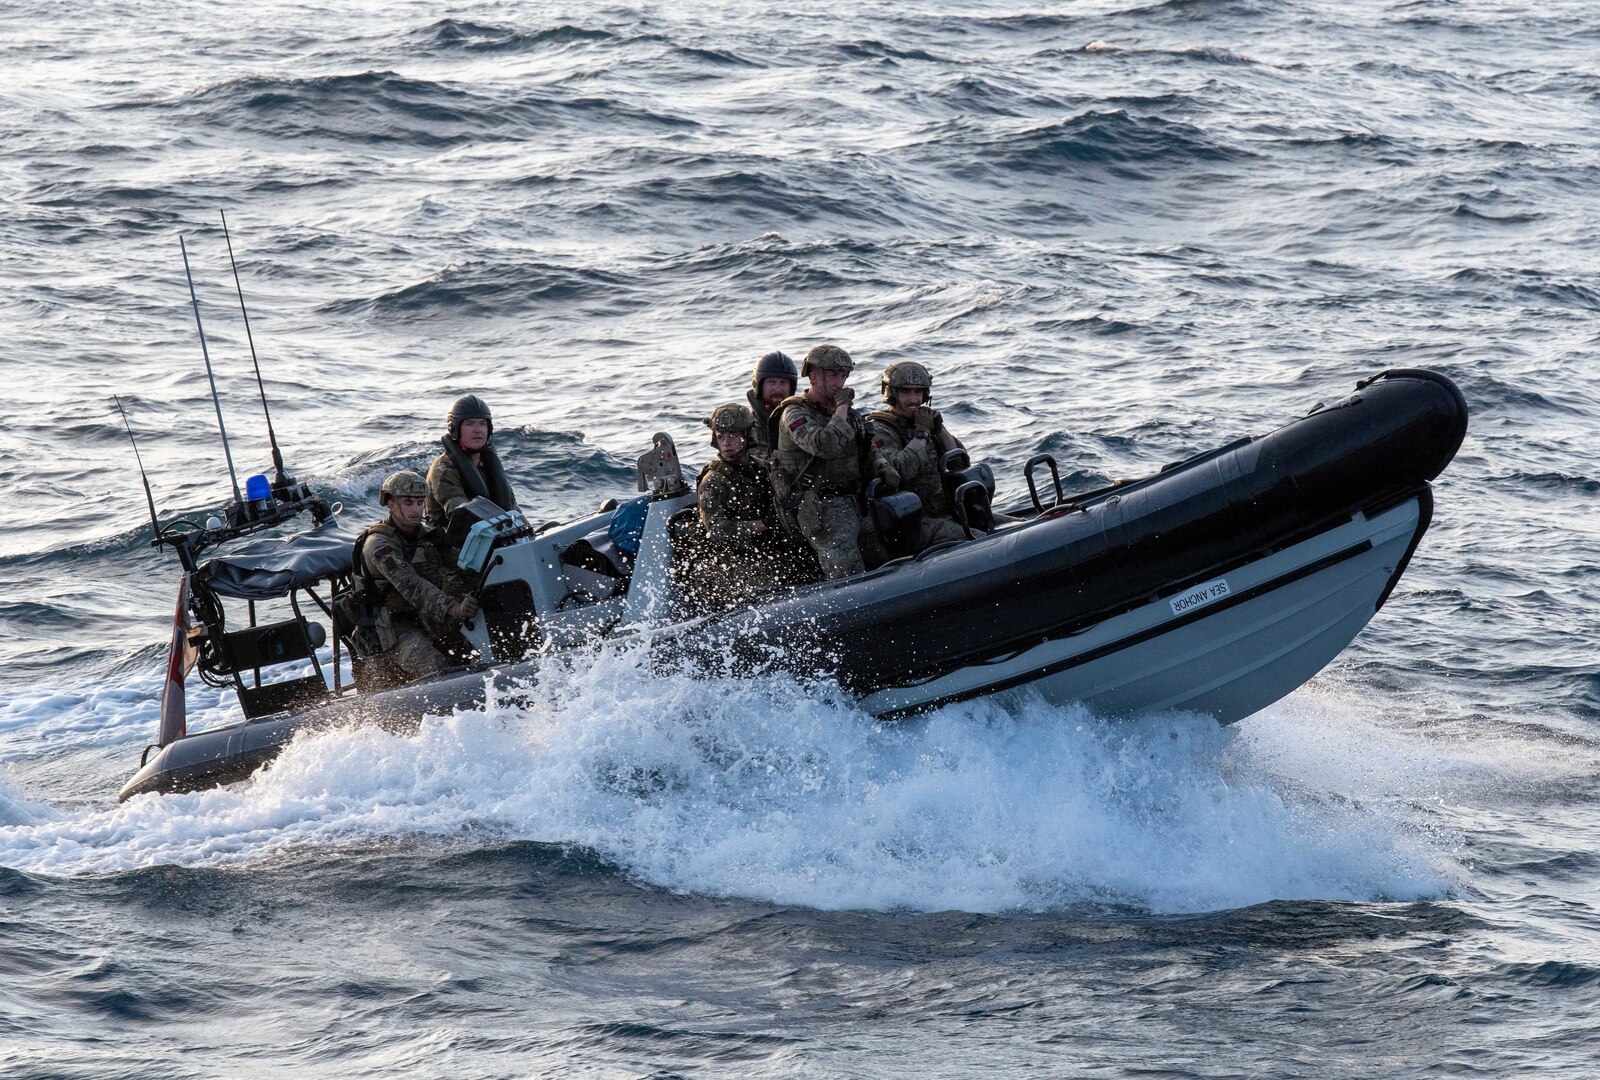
(257, 489)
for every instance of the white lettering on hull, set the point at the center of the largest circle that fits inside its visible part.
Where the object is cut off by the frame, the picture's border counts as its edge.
(1200, 596)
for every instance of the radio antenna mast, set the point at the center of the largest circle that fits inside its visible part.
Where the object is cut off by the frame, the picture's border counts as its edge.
(149, 499)
(282, 479)
(215, 400)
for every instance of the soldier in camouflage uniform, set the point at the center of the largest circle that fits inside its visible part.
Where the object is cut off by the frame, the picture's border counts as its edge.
(912, 437)
(745, 552)
(469, 467)
(774, 380)
(404, 571)
(823, 462)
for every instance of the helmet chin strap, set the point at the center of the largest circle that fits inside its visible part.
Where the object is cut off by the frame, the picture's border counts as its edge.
(894, 400)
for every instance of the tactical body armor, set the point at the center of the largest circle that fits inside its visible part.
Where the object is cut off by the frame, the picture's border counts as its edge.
(820, 472)
(915, 459)
(405, 578)
(736, 562)
(734, 495)
(818, 451)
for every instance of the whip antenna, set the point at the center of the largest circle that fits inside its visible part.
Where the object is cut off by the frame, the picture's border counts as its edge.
(277, 458)
(226, 452)
(149, 499)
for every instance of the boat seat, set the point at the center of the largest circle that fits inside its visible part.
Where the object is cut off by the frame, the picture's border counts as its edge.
(276, 697)
(257, 647)
(267, 645)
(896, 518)
(969, 489)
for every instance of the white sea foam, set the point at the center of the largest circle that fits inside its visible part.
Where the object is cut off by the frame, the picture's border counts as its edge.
(18, 809)
(758, 790)
(93, 715)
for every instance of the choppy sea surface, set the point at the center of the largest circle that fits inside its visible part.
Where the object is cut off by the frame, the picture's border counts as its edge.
(1117, 232)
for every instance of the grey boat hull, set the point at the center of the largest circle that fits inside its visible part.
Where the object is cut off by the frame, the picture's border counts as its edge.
(1272, 626)
(1218, 585)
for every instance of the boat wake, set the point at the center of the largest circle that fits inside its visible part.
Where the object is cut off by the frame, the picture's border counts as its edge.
(761, 791)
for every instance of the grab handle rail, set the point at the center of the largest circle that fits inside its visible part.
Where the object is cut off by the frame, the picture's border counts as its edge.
(947, 461)
(1055, 478)
(958, 503)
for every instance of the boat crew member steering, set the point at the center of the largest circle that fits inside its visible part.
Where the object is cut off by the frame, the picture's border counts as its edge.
(823, 462)
(774, 379)
(469, 467)
(404, 571)
(911, 436)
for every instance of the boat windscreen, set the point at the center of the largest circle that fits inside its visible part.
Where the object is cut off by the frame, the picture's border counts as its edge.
(269, 567)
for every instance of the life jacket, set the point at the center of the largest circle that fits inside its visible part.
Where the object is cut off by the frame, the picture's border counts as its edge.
(486, 482)
(766, 423)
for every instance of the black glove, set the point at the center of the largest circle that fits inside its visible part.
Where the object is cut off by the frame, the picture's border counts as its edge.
(928, 420)
(465, 608)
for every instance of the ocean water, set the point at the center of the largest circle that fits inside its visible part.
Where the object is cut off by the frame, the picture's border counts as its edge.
(1117, 232)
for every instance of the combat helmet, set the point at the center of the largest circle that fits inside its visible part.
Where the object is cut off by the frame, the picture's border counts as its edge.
(467, 407)
(402, 483)
(774, 365)
(732, 417)
(827, 358)
(905, 375)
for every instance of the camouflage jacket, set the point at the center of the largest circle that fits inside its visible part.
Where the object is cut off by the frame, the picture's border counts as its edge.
(832, 452)
(415, 569)
(733, 497)
(915, 461)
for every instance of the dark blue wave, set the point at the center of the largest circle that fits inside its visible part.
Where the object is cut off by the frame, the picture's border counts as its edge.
(371, 107)
(383, 107)
(451, 35)
(1221, 11)
(715, 58)
(14, 884)
(1555, 481)
(1120, 143)
(1551, 974)
(877, 50)
(565, 462)
(484, 289)
(1535, 286)
(1466, 209)
(971, 93)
